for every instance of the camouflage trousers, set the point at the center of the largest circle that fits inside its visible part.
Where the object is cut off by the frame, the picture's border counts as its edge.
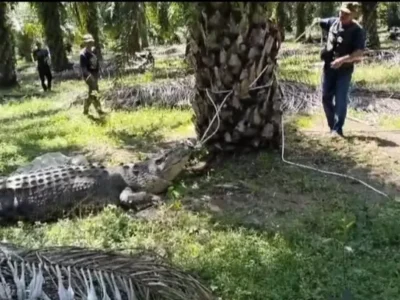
(93, 84)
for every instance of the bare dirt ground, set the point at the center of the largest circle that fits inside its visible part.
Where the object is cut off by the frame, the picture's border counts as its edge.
(381, 146)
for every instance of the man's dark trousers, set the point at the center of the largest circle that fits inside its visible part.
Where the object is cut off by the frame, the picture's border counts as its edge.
(45, 72)
(336, 84)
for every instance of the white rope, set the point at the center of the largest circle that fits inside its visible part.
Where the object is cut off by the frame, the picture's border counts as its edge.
(323, 171)
(218, 108)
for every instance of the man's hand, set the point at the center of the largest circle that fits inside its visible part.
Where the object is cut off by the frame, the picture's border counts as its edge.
(337, 63)
(356, 56)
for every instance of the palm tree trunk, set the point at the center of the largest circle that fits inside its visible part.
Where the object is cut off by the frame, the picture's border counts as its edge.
(163, 20)
(92, 25)
(143, 25)
(289, 11)
(392, 18)
(281, 18)
(49, 15)
(300, 18)
(8, 75)
(233, 48)
(130, 30)
(369, 22)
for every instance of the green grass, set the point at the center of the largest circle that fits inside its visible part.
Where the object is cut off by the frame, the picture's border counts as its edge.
(308, 69)
(41, 125)
(385, 122)
(252, 227)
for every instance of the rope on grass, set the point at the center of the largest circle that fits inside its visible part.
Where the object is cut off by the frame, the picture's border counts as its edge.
(323, 171)
(218, 108)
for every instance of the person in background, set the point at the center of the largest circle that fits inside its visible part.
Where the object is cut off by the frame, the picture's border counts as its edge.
(90, 72)
(344, 47)
(42, 56)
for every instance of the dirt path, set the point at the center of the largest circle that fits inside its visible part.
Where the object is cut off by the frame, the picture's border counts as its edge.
(374, 147)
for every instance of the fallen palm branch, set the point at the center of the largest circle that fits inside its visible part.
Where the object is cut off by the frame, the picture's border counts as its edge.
(67, 273)
(174, 93)
(297, 97)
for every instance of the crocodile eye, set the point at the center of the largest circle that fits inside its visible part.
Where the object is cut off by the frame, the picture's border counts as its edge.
(159, 161)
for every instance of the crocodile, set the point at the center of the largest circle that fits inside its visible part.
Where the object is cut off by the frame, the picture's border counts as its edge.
(51, 193)
(70, 272)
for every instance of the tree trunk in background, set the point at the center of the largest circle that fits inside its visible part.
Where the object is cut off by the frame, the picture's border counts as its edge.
(327, 10)
(92, 25)
(8, 75)
(143, 25)
(163, 19)
(135, 39)
(370, 24)
(281, 18)
(289, 23)
(300, 18)
(49, 15)
(392, 15)
(232, 46)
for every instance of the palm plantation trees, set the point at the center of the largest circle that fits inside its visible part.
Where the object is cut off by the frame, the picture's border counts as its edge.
(49, 15)
(143, 25)
(281, 18)
(300, 18)
(233, 49)
(8, 76)
(369, 22)
(91, 23)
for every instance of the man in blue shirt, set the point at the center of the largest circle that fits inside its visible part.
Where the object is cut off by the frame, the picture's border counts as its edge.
(345, 45)
(42, 56)
(90, 72)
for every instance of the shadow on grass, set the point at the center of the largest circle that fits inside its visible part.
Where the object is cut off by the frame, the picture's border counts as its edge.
(19, 95)
(29, 115)
(147, 140)
(380, 141)
(336, 232)
(24, 143)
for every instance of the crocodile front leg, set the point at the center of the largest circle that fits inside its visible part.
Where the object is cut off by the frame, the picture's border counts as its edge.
(137, 200)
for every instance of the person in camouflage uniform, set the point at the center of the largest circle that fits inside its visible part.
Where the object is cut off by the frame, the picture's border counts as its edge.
(90, 71)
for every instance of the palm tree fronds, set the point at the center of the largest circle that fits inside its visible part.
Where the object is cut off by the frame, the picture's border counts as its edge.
(81, 273)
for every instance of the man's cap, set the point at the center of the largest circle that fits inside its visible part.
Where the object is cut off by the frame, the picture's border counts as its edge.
(87, 38)
(349, 7)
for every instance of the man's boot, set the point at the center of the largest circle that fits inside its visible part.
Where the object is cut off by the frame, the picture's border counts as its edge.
(97, 106)
(86, 104)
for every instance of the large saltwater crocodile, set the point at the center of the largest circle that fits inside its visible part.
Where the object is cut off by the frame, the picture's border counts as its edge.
(46, 194)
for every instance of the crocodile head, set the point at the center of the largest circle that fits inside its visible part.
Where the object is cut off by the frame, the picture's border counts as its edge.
(169, 163)
(156, 173)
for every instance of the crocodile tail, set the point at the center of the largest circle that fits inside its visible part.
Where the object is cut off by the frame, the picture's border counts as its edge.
(67, 273)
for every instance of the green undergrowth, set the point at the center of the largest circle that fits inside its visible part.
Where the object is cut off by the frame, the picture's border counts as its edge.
(307, 69)
(252, 227)
(37, 126)
(385, 122)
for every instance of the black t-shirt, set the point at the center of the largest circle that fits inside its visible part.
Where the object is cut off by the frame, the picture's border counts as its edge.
(42, 56)
(342, 40)
(88, 62)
